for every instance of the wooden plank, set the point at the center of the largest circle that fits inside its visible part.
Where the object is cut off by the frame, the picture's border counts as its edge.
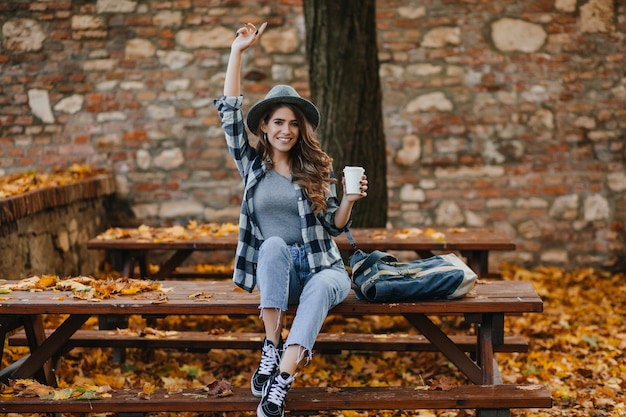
(508, 297)
(326, 342)
(481, 239)
(454, 239)
(186, 273)
(300, 399)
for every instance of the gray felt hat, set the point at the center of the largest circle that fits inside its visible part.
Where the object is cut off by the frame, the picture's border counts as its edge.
(282, 94)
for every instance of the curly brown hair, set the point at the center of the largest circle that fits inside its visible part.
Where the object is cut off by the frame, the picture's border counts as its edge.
(311, 167)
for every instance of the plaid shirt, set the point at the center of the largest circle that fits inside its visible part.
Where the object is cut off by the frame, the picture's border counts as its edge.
(317, 230)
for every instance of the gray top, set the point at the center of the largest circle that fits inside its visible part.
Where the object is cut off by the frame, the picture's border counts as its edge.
(276, 208)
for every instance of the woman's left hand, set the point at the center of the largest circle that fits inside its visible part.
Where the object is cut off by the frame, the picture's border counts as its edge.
(355, 197)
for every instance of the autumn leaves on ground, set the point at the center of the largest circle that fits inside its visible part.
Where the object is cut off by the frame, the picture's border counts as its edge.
(576, 348)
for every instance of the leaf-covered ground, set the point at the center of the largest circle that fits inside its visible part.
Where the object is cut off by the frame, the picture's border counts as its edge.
(576, 348)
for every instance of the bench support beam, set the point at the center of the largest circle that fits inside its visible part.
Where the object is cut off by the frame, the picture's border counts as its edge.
(446, 346)
(40, 346)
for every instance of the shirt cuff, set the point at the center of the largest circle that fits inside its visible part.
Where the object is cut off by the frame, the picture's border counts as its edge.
(229, 102)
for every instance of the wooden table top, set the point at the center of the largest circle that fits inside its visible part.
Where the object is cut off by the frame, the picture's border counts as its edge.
(366, 239)
(217, 297)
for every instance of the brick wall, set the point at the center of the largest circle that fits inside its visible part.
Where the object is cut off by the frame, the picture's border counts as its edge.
(508, 114)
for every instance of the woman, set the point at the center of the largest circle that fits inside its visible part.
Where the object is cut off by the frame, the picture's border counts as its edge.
(289, 214)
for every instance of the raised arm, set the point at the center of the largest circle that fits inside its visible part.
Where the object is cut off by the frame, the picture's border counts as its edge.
(245, 37)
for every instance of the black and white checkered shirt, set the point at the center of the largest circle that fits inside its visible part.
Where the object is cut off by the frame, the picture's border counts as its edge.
(317, 230)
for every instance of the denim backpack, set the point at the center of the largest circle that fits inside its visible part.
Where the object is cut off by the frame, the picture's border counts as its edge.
(379, 277)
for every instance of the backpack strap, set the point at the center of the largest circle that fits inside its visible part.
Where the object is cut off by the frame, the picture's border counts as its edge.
(374, 257)
(350, 238)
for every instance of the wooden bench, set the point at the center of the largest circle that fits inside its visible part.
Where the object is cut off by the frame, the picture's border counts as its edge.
(326, 342)
(484, 308)
(134, 249)
(487, 398)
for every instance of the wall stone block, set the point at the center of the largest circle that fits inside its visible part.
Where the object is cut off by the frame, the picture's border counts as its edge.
(517, 35)
(139, 48)
(115, 6)
(597, 16)
(283, 41)
(169, 18)
(88, 26)
(39, 103)
(410, 151)
(437, 101)
(70, 105)
(442, 36)
(22, 35)
(596, 208)
(169, 159)
(219, 37)
(565, 207)
(174, 60)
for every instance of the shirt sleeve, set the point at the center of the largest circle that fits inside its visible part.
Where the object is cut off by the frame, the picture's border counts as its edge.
(231, 115)
(327, 217)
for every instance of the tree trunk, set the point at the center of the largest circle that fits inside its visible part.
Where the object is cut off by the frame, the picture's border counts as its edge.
(343, 69)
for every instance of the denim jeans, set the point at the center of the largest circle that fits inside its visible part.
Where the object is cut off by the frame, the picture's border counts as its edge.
(284, 277)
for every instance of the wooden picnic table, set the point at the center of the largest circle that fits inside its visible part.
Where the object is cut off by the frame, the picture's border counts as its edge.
(484, 307)
(474, 244)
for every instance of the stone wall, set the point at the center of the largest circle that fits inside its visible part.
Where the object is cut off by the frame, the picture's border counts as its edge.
(42, 235)
(507, 114)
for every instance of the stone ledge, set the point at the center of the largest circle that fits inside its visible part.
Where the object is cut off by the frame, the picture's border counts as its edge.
(23, 205)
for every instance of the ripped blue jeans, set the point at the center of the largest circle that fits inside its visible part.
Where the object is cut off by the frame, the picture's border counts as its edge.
(284, 277)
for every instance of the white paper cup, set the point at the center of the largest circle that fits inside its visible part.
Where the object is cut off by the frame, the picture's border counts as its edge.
(353, 177)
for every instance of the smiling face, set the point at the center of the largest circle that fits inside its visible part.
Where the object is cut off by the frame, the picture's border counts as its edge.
(282, 130)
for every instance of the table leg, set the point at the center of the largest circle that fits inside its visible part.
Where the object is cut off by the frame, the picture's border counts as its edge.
(501, 412)
(42, 349)
(165, 271)
(438, 338)
(485, 353)
(478, 261)
(424, 254)
(8, 324)
(128, 264)
(110, 322)
(131, 258)
(490, 333)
